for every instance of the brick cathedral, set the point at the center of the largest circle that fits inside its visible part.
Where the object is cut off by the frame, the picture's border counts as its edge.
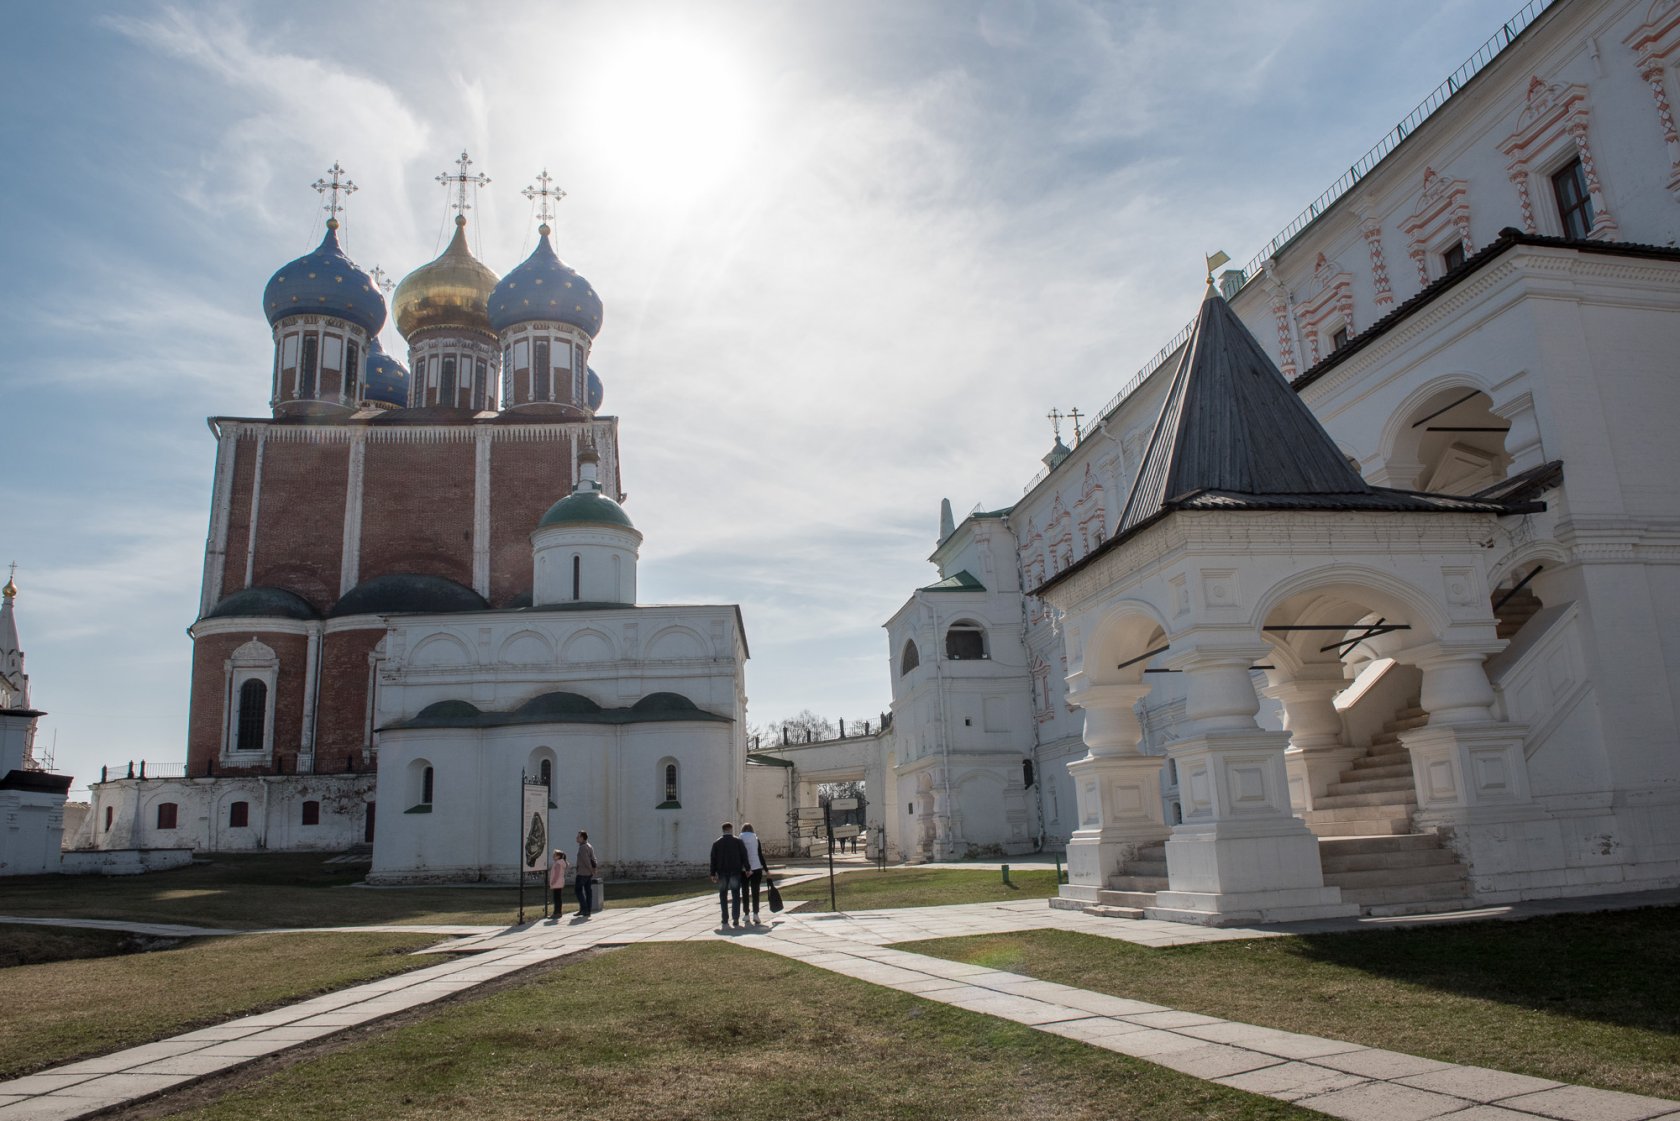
(376, 489)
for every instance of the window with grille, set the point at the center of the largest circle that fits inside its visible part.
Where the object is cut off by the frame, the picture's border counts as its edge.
(670, 782)
(1575, 208)
(352, 364)
(253, 714)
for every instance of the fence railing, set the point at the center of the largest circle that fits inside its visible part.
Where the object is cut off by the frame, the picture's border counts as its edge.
(1472, 66)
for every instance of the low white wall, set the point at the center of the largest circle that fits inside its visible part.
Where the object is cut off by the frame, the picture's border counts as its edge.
(124, 862)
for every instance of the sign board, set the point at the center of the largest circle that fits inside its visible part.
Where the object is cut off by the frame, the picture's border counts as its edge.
(533, 827)
(810, 813)
(846, 831)
(840, 805)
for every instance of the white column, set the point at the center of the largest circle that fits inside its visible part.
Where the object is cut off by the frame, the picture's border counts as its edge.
(481, 513)
(350, 565)
(311, 690)
(1118, 788)
(256, 503)
(1240, 854)
(1463, 760)
(1317, 754)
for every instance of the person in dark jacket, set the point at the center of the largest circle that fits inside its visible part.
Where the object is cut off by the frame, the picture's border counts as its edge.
(729, 865)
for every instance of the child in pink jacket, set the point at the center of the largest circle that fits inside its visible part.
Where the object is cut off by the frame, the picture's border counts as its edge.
(557, 881)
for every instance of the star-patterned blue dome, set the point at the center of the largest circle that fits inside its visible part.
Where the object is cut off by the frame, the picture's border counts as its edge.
(383, 377)
(325, 282)
(596, 390)
(543, 288)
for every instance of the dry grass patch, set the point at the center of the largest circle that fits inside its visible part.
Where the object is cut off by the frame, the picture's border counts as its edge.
(870, 890)
(678, 1031)
(1590, 999)
(245, 892)
(60, 1011)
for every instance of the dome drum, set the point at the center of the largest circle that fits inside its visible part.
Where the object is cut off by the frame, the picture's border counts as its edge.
(453, 371)
(318, 361)
(545, 362)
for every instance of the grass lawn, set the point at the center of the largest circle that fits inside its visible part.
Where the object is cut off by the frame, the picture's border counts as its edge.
(869, 890)
(66, 1010)
(676, 1031)
(1593, 999)
(290, 889)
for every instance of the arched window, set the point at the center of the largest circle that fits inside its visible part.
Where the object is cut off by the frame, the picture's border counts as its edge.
(420, 787)
(910, 659)
(311, 358)
(545, 775)
(577, 577)
(541, 371)
(426, 787)
(109, 814)
(312, 813)
(352, 363)
(446, 384)
(166, 813)
(253, 715)
(965, 641)
(668, 785)
(239, 815)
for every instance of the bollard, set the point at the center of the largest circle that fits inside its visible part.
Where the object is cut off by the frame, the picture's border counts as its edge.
(1006, 875)
(1058, 869)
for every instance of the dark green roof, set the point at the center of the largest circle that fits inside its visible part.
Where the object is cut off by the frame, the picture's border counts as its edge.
(586, 507)
(768, 760)
(263, 602)
(963, 581)
(560, 708)
(407, 592)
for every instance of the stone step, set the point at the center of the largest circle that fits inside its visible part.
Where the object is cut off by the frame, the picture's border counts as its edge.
(1409, 893)
(1135, 883)
(1378, 860)
(1421, 907)
(1381, 741)
(1339, 847)
(1134, 899)
(1103, 912)
(1413, 708)
(1379, 762)
(1367, 783)
(1367, 769)
(1452, 872)
(1145, 868)
(1354, 801)
(1362, 828)
(1408, 723)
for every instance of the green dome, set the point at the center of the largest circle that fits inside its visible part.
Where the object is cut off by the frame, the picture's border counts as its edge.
(586, 507)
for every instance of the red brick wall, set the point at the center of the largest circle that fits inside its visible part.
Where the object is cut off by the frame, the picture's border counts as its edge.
(417, 509)
(300, 519)
(239, 515)
(209, 701)
(526, 478)
(341, 703)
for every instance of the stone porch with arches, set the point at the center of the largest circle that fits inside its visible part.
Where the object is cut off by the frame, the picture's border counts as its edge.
(1249, 546)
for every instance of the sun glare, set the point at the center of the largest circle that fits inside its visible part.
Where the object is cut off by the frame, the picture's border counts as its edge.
(669, 109)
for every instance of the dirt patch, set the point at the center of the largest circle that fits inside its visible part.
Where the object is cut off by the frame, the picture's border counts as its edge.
(206, 1090)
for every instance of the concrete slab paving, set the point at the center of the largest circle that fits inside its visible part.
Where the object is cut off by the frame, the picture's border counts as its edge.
(1383, 1101)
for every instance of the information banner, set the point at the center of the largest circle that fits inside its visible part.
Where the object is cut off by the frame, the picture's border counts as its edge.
(534, 827)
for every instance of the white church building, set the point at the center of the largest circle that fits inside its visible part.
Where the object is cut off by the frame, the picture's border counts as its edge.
(1361, 594)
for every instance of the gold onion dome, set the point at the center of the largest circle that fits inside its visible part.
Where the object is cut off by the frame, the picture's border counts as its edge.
(450, 293)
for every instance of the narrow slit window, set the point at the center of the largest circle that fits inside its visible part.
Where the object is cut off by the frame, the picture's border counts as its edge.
(670, 782)
(253, 714)
(446, 386)
(426, 787)
(352, 364)
(311, 363)
(541, 372)
(577, 577)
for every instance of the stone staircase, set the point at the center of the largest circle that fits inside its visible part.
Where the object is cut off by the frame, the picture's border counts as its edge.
(1129, 893)
(1516, 611)
(1375, 796)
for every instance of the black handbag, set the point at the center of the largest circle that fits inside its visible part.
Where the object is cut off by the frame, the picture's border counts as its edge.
(775, 896)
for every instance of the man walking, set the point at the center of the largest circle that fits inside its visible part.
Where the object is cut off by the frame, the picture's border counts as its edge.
(755, 869)
(729, 863)
(584, 875)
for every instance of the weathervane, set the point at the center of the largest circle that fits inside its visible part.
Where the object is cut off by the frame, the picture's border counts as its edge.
(382, 280)
(1214, 260)
(1075, 414)
(1055, 416)
(338, 186)
(542, 190)
(460, 179)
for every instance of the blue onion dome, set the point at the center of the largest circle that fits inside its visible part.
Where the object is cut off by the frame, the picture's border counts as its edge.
(384, 379)
(448, 293)
(596, 390)
(325, 282)
(586, 507)
(543, 288)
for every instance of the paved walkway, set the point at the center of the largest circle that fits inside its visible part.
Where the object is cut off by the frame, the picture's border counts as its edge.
(1340, 1079)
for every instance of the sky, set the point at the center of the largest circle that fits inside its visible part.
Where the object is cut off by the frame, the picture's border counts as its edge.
(851, 256)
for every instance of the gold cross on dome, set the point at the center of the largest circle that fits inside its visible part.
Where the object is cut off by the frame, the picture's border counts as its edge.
(1074, 415)
(337, 185)
(460, 180)
(382, 280)
(541, 189)
(1055, 418)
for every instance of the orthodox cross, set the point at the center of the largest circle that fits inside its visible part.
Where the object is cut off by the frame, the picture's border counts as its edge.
(382, 280)
(1075, 414)
(338, 186)
(542, 190)
(460, 180)
(13, 579)
(1055, 416)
